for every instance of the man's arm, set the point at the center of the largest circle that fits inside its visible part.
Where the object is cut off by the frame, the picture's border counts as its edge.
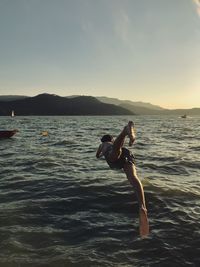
(99, 151)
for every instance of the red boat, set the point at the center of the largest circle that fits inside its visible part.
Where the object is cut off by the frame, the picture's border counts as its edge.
(7, 133)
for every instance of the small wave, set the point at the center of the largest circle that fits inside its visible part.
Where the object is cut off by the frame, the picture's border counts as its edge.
(190, 164)
(161, 158)
(162, 188)
(141, 144)
(166, 169)
(195, 148)
(47, 163)
(65, 143)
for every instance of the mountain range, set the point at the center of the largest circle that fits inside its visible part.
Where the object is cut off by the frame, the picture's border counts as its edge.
(142, 108)
(50, 104)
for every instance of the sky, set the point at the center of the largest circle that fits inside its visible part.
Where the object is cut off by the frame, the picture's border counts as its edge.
(138, 50)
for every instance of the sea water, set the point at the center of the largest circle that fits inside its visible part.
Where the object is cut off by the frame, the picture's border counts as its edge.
(60, 206)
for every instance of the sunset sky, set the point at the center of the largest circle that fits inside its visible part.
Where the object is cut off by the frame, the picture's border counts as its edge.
(139, 50)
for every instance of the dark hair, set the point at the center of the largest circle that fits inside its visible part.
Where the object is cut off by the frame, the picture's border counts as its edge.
(106, 138)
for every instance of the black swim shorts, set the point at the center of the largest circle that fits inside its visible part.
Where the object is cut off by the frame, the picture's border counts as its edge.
(126, 157)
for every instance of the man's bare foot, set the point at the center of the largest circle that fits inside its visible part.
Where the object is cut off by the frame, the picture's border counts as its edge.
(130, 132)
(144, 224)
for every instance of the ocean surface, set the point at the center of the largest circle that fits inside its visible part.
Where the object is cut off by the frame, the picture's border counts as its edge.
(62, 207)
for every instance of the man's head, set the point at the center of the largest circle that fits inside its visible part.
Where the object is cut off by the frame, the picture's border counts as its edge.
(107, 138)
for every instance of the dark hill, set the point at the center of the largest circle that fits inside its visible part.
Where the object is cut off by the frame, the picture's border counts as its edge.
(11, 97)
(48, 104)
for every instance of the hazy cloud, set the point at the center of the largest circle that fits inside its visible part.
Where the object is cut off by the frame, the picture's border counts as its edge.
(122, 26)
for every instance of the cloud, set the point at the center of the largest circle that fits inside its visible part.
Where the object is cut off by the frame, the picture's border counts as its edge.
(197, 2)
(122, 25)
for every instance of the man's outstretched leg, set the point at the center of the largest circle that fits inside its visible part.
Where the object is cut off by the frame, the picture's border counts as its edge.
(119, 141)
(131, 174)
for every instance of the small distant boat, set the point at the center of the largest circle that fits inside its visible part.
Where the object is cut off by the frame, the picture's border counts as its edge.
(7, 133)
(13, 113)
(184, 116)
